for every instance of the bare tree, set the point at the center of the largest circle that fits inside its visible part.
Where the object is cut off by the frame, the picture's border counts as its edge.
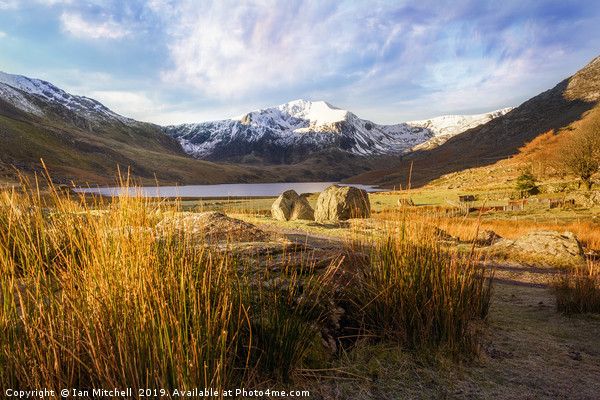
(581, 152)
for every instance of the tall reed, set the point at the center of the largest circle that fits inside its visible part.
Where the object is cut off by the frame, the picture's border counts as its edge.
(419, 293)
(98, 297)
(578, 291)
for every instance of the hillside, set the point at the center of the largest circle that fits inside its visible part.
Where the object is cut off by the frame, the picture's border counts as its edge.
(501, 138)
(80, 140)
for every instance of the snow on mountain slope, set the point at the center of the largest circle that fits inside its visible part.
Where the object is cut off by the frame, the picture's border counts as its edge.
(446, 126)
(312, 127)
(47, 92)
(19, 100)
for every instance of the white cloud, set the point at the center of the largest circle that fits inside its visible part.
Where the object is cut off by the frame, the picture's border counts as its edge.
(76, 25)
(53, 2)
(2, 34)
(9, 4)
(231, 48)
(130, 104)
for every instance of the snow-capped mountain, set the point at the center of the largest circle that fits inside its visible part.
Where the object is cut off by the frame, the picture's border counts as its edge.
(446, 126)
(309, 127)
(13, 86)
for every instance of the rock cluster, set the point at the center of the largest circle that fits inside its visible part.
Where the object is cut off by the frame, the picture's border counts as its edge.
(341, 203)
(289, 206)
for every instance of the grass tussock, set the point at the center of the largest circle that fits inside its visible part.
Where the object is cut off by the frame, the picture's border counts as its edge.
(579, 290)
(420, 294)
(95, 299)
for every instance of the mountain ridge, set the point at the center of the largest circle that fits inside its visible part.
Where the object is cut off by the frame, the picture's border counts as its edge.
(82, 141)
(309, 127)
(556, 108)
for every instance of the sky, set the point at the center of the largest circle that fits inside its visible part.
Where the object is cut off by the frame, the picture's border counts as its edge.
(184, 61)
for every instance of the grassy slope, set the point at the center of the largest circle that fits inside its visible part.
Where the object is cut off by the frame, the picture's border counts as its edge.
(74, 149)
(501, 138)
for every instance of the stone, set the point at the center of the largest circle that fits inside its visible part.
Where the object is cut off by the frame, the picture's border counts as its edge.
(542, 243)
(289, 206)
(487, 237)
(405, 202)
(211, 225)
(585, 199)
(341, 203)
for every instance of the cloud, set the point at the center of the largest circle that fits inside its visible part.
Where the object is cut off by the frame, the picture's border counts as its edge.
(9, 4)
(137, 105)
(2, 34)
(230, 48)
(76, 25)
(54, 2)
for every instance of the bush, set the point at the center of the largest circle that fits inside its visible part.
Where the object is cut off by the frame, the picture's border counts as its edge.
(578, 291)
(526, 184)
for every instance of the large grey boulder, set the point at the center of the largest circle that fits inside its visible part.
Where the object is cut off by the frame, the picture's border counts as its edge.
(342, 203)
(289, 206)
(540, 243)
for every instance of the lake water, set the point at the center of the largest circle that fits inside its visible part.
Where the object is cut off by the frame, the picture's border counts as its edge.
(223, 190)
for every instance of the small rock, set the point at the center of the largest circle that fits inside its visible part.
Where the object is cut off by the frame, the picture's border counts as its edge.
(542, 243)
(487, 237)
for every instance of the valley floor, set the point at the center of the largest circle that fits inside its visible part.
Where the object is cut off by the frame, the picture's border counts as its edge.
(529, 350)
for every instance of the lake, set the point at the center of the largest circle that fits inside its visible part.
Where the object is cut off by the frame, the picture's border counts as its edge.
(222, 190)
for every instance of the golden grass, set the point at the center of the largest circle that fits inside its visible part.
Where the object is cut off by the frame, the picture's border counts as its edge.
(98, 300)
(94, 296)
(578, 291)
(586, 231)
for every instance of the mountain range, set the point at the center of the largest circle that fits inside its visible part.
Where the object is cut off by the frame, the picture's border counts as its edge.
(81, 140)
(291, 132)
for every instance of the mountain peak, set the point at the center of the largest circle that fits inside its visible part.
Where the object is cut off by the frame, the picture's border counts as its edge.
(317, 112)
(46, 91)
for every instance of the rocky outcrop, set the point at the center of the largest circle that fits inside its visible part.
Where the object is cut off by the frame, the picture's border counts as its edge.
(289, 206)
(539, 243)
(342, 203)
(210, 225)
(587, 199)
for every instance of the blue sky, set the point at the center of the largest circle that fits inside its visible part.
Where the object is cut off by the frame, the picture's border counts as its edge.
(171, 62)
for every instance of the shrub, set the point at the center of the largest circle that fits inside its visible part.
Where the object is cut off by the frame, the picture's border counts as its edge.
(579, 290)
(526, 184)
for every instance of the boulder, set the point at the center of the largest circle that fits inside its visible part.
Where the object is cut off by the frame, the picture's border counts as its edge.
(289, 206)
(587, 199)
(342, 203)
(540, 243)
(487, 237)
